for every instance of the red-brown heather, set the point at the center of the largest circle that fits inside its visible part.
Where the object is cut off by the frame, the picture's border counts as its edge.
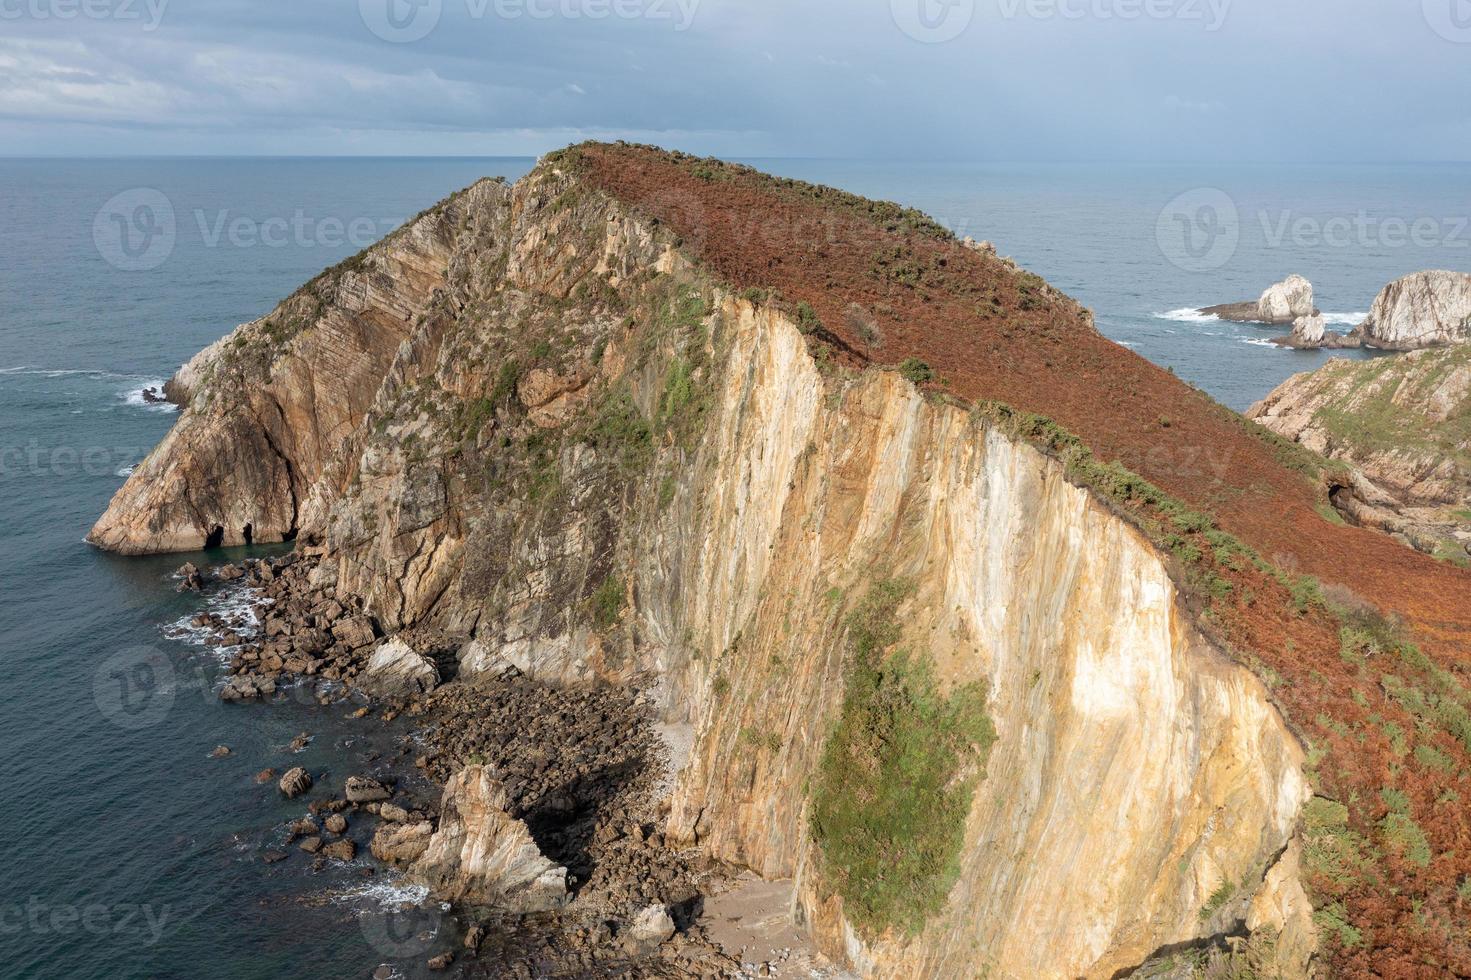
(887, 284)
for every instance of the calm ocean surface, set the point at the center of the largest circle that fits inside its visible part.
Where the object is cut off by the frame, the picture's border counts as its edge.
(132, 853)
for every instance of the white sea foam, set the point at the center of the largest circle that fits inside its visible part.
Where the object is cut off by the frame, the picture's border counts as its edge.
(227, 603)
(125, 472)
(384, 893)
(1345, 319)
(65, 372)
(1187, 315)
(1259, 342)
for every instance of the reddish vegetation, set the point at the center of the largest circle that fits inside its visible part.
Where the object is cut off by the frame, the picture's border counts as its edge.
(886, 288)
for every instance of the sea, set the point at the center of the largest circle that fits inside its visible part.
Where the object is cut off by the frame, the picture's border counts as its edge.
(131, 850)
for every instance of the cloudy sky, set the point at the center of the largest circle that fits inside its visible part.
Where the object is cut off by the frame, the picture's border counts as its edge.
(1175, 80)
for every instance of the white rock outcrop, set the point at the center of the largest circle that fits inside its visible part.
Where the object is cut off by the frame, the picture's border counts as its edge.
(482, 854)
(1309, 330)
(396, 669)
(1286, 301)
(1424, 309)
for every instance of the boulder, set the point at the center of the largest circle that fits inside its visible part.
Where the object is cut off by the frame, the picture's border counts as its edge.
(653, 925)
(483, 855)
(395, 670)
(1286, 301)
(354, 632)
(340, 850)
(295, 782)
(361, 789)
(247, 687)
(1424, 309)
(401, 844)
(336, 823)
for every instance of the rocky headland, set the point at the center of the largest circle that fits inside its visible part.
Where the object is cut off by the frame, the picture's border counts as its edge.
(1404, 426)
(717, 525)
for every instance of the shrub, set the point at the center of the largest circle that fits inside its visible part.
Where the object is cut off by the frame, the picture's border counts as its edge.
(915, 370)
(807, 320)
(607, 602)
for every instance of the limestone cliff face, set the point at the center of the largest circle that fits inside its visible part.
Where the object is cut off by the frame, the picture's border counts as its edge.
(1425, 309)
(1402, 424)
(584, 458)
(1136, 769)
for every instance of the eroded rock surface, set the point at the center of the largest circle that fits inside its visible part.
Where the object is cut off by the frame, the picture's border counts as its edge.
(481, 854)
(395, 669)
(1424, 309)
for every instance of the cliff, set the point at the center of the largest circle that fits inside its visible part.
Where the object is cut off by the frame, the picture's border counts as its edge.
(1404, 424)
(798, 466)
(1424, 309)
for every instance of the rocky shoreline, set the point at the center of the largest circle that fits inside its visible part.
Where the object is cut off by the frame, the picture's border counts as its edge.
(583, 771)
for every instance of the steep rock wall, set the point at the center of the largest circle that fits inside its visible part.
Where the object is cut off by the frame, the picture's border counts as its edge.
(1136, 771)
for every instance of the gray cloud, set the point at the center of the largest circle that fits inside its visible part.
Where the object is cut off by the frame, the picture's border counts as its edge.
(1021, 79)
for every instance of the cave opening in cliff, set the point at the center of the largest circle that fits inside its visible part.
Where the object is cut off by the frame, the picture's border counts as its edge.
(248, 531)
(215, 538)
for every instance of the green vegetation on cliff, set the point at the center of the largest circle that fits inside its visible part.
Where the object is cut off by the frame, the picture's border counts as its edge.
(890, 797)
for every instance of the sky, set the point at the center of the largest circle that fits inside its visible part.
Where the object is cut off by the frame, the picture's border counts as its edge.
(1013, 80)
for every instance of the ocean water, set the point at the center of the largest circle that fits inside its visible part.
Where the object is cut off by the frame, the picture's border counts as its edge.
(131, 852)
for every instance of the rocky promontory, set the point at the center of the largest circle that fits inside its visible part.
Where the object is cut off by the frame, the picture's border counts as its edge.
(914, 581)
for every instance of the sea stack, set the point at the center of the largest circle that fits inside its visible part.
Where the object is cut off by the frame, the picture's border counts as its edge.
(1282, 303)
